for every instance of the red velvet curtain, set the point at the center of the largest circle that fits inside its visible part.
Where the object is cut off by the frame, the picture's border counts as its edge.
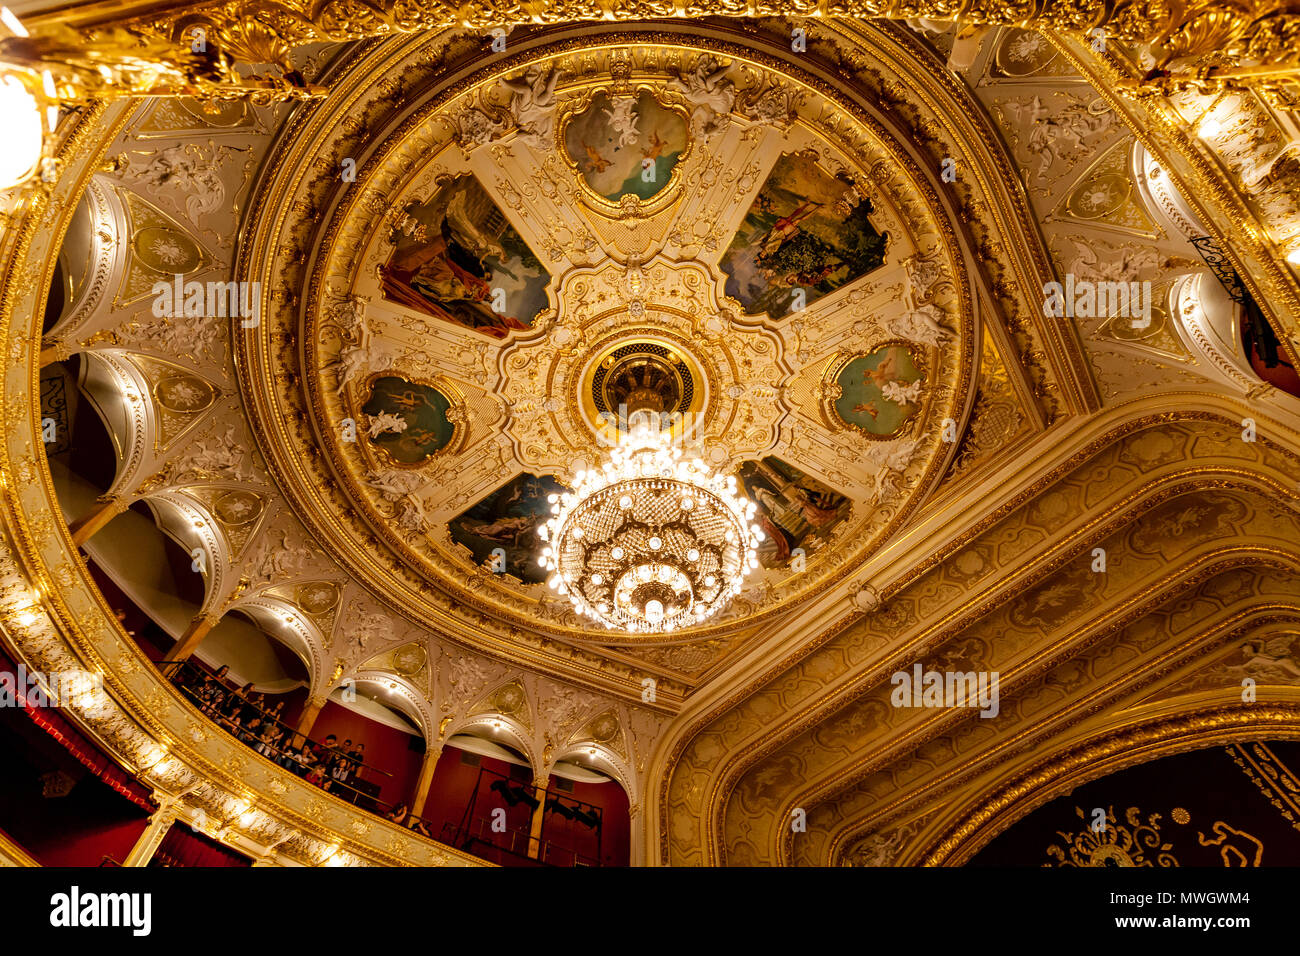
(183, 847)
(62, 730)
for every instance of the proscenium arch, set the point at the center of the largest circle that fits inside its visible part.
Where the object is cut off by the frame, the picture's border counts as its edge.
(1187, 583)
(1208, 642)
(971, 826)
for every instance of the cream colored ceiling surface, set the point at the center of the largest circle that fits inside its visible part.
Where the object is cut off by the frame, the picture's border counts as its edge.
(462, 263)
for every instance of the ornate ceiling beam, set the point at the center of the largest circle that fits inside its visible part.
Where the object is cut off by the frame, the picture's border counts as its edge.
(1179, 29)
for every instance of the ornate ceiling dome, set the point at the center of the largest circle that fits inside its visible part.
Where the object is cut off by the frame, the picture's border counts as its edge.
(826, 270)
(693, 227)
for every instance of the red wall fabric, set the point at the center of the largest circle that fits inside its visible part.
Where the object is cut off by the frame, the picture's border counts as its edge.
(79, 842)
(62, 730)
(453, 787)
(614, 847)
(386, 747)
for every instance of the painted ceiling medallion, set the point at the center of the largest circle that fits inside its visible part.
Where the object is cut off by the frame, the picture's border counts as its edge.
(880, 391)
(626, 145)
(238, 508)
(654, 540)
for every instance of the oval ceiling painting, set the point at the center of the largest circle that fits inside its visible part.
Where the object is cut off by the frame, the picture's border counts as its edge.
(406, 419)
(626, 145)
(879, 391)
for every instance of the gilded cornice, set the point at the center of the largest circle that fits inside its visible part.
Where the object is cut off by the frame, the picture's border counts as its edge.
(943, 632)
(1102, 697)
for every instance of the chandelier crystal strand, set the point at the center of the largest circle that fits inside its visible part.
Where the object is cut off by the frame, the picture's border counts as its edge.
(652, 541)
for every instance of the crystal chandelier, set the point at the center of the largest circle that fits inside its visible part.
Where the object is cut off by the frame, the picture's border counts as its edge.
(652, 541)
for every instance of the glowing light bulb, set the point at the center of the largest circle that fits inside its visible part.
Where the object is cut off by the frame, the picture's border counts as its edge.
(20, 118)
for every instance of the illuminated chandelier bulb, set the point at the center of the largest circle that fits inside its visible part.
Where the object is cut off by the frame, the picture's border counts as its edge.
(20, 117)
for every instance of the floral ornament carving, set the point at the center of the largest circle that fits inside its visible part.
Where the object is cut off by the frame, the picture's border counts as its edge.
(191, 168)
(882, 848)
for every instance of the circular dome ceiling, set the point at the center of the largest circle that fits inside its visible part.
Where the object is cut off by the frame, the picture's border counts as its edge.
(465, 274)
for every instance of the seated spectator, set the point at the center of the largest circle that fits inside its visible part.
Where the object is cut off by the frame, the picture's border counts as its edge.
(399, 814)
(253, 706)
(341, 769)
(288, 757)
(306, 758)
(235, 704)
(315, 775)
(268, 739)
(208, 692)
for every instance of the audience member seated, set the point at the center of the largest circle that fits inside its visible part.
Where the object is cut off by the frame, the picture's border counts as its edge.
(245, 714)
(401, 815)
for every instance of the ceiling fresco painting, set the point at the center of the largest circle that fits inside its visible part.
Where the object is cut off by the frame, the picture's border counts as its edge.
(456, 257)
(626, 145)
(807, 234)
(626, 409)
(797, 512)
(408, 420)
(879, 391)
(501, 530)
